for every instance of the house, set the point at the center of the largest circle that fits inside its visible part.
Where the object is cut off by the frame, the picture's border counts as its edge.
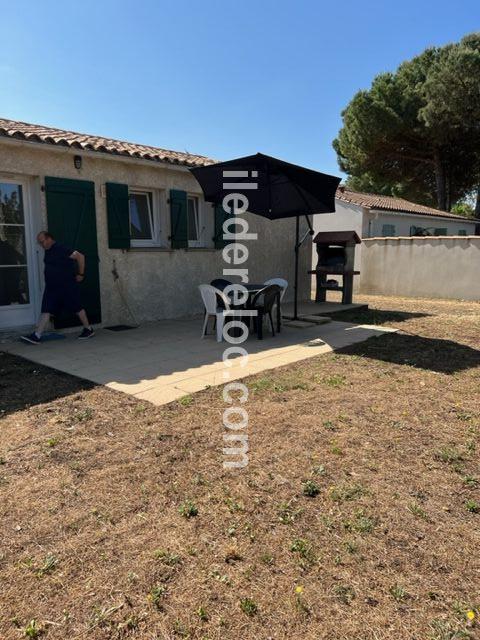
(138, 215)
(374, 216)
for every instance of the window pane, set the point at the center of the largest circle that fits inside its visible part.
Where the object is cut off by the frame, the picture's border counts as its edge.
(192, 219)
(13, 286)
(140, 223)
(11, 203)
(12, 245)
(388, 230)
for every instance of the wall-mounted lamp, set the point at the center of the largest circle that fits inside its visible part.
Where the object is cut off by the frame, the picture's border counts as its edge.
(77, 161)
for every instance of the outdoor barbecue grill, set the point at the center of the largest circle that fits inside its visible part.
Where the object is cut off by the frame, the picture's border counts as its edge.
(336, 257)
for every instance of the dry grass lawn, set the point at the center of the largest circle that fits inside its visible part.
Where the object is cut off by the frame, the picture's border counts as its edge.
(358, 517)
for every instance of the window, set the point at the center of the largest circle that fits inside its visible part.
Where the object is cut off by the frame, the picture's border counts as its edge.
(141, 215)
(440, 231)
(462, 232)
(13, 251)
(421, 231)
(144, 218)
(194, 222)
(388, 230)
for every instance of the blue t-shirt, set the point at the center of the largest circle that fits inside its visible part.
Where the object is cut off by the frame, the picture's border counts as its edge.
(60, 269)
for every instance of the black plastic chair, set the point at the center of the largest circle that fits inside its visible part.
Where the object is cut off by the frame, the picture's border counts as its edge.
(220, 283)
(263, 303)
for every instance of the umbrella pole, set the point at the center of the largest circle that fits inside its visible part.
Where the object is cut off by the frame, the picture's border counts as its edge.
(298, 244)
(297, 249)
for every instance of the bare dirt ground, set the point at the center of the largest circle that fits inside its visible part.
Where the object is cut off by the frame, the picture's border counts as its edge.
(357, 518)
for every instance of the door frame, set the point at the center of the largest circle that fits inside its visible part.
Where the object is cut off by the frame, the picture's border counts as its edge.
(26, 183)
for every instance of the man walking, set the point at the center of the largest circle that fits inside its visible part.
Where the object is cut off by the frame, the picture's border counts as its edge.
(64, 269)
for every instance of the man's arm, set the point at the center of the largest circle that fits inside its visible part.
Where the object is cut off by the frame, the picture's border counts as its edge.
(80, 260)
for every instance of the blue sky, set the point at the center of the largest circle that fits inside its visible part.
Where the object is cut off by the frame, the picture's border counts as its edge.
(219, 78)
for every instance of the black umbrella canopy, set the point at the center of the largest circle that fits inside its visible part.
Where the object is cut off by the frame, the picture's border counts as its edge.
(284, 190)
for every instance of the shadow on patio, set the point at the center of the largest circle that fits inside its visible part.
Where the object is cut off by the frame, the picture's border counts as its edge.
(163, 361)
(378, 316)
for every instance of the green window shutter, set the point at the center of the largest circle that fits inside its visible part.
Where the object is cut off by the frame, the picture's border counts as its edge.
(440, 231)
(220, 216)
(118, 216)
(178, 219)
(462, 232)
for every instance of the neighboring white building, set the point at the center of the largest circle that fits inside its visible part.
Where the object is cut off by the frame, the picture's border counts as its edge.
(375, 216)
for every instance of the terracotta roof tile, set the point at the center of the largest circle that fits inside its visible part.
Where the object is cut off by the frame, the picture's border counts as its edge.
(49, 135)
(59, 137)
(388, 203)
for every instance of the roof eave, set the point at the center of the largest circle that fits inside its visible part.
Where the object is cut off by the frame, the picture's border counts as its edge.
(106, 155)
(445, 216)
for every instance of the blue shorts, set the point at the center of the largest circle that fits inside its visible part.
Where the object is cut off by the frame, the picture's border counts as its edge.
(65, 298)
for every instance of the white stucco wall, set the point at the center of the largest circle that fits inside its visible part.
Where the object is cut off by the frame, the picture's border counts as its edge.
(347, 217)
(156, 283)
(369, 224)
(432, 267)
(403, 221)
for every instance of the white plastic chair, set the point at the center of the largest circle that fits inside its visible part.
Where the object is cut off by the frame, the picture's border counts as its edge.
(210, 300)
(281, 283)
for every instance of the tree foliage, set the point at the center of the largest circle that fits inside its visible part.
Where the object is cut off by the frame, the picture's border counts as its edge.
(416, 132)
(462, 208)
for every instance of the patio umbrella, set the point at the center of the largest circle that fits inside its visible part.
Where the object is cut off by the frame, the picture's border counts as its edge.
(284, 190)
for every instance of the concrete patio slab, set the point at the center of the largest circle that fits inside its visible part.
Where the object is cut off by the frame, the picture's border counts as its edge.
(163, 361)
(297, 324)
(316, 319)
(312, 308)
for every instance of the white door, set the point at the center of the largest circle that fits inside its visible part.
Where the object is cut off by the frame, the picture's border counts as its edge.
(17, 280)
